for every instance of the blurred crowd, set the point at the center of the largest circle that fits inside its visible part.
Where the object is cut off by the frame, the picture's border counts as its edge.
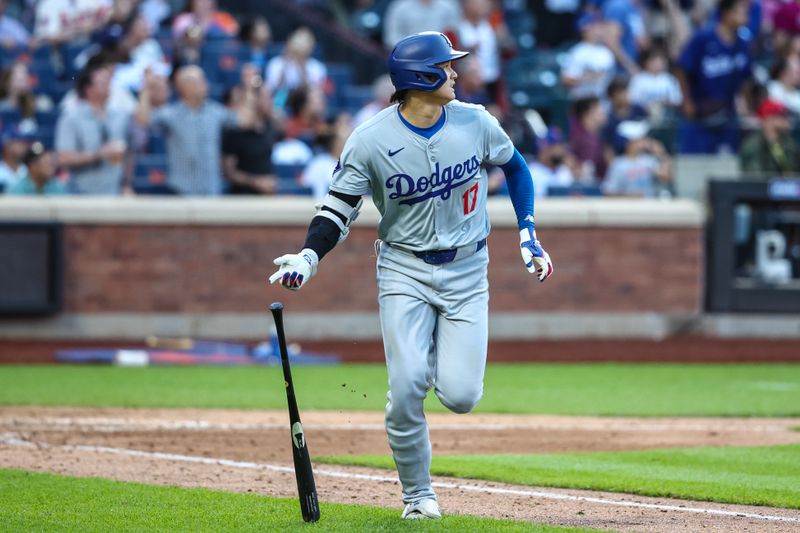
(652, 77)
(181, 97)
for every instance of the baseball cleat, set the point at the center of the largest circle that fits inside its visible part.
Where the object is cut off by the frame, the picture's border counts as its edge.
(423, 509)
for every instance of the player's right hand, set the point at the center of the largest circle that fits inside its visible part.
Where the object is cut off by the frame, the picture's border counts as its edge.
(534, 256)
(294, 270)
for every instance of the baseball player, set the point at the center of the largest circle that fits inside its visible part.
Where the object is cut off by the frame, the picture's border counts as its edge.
(422, 160)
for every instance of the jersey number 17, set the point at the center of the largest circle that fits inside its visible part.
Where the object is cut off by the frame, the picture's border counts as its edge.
(470, 197)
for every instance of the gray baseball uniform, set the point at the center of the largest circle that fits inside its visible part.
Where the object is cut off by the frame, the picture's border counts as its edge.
(431, 194)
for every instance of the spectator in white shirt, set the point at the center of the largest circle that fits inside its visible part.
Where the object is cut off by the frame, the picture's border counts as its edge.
(319, 171)
(590, 65)
(477, 36)
(783, 87)
(382, 90)
(295, 67)
(155, 11)
(143, 52)
(643, 170)
(62, 21)
(654, 88)
(404, 17)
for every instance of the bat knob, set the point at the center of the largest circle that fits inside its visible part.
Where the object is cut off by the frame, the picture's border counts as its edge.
(276, 306)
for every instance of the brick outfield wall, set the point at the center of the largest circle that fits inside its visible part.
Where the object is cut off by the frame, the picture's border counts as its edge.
(209, 269)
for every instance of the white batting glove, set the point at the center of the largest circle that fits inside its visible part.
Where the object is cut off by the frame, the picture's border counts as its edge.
(534, 256)
(294, 270)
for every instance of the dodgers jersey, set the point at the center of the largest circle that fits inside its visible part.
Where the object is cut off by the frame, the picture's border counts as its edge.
(431, 193)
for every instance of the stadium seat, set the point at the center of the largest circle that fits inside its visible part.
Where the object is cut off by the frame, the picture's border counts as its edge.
(46, 136)
(150, 175)
(286, 186)
(340, 74)
(47, 119)
(9, 117)
(575, 190)
(43, 75)
(57, 90)
(222, 61)
(356, 97)
(288, 183)
(10, 55)
(70, 53)
(340, 77)
(289, 171)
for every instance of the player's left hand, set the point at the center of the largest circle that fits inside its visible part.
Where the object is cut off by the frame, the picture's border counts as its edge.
(534, 256)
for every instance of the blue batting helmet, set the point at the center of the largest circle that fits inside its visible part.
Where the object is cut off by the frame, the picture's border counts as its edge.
(412, 63)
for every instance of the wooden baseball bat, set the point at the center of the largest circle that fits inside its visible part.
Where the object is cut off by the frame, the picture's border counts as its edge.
(306, 488)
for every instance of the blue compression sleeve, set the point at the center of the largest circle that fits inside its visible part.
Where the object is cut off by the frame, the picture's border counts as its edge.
(520, 188)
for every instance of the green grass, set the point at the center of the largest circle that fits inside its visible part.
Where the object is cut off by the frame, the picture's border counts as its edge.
(45, 502)
(579, 389)
(745, 475)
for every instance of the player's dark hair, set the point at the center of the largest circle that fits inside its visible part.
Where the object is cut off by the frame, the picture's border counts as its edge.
(582, 106)
(725, 6)
(399, 96)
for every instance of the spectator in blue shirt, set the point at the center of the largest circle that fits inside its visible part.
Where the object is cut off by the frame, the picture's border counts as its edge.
(621, 110)
(755, 15)
(13, 144)
(40, 178)
(712, 70)
(627, 14)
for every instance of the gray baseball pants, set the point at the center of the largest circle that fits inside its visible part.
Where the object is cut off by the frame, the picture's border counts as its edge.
(434, 320)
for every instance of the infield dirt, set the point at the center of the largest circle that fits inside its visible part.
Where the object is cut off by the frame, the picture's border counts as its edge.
(45, 439)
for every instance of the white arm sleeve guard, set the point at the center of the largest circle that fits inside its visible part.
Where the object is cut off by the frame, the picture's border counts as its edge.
(335, 210)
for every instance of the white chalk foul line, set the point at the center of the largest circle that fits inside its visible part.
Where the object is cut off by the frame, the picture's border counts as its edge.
(110, 425)
(13, 440)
